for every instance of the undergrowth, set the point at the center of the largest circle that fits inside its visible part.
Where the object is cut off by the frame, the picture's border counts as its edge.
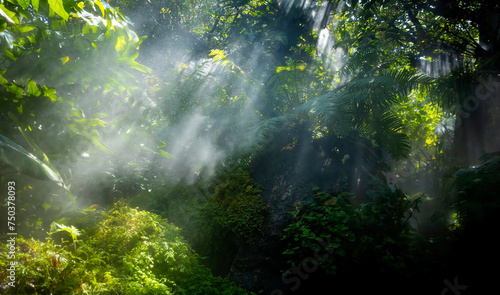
(125, 251)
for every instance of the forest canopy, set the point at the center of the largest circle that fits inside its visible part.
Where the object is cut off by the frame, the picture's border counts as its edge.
(211, 146)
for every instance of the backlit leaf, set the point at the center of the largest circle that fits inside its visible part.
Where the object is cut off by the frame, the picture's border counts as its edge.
(23, 161)
(24, 3)
(8, 15)
(58, 7)
(35, 4)
(33, 89)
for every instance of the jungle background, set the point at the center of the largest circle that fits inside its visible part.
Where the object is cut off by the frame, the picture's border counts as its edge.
(249, 146)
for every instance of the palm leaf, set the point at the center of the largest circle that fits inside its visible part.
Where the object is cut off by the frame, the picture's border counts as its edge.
(364, 104)
(260, 135)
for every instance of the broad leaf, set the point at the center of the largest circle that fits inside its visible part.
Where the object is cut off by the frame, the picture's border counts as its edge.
(58, 7)
(24, 3)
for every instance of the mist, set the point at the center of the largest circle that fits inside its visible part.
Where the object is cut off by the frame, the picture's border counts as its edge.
(229, 147)
(200, 131)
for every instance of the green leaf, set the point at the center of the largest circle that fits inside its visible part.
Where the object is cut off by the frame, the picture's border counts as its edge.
(3, 80)
(25, 28)
(165, 154)
(131, 63)
(9, 54)
(101, 7)
(8, 15)
(161, 144)
(58, 7)
(50, 93)
(24, 3)
(15, 89)
(29, 140)
(33, 89)
(120, 43)
(35, 4)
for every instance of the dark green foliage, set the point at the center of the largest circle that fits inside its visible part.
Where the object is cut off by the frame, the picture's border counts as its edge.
(374, 238)
(217, 214)
(478, 201)
(236, 206)
(127, 252)
(231, 215)
(469, 211)
(330, 218)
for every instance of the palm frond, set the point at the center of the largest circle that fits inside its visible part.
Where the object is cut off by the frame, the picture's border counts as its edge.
(260, 135)
(364, 103)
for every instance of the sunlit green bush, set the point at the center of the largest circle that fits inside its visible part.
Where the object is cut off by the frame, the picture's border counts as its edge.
(127, 252)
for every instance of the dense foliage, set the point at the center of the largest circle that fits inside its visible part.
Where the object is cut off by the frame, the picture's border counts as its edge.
(374, 239)
(123, 250)
(181, 107)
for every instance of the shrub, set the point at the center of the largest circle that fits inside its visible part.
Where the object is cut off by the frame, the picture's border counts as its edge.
(236, 206)
(373, 238)
(127, 252)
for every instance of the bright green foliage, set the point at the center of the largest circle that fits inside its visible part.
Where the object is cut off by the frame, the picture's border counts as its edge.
(90, 46)
(421, 120)
(374, 237)
(127, 252)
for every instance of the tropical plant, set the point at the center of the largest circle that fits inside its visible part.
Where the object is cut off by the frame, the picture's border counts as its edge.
(364, 104)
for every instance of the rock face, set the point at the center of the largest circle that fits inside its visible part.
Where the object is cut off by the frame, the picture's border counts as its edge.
(288, 171)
